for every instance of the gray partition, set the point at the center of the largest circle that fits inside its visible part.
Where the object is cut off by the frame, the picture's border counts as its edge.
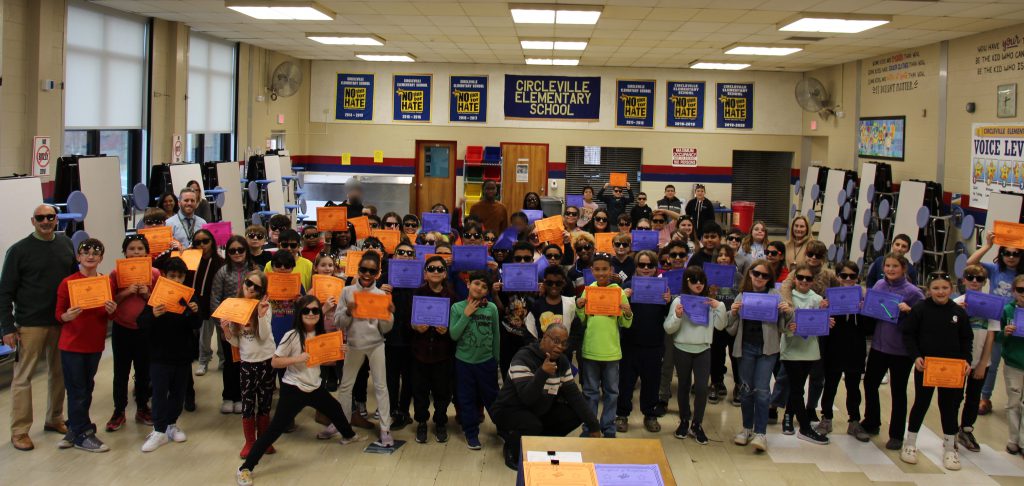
(100, 181)
(21, 196)
(230, 179)
(860, 225)
(911, 197)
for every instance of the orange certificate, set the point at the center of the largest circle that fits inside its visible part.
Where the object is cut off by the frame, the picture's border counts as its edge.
(603, 243)
(326, 286)
(447, 257)
(944, 372)
(236, 354)
(552, 236)
(604, 301)
(361, 225)
(170, 294)
(390, 238)
(617, 179)
(90, 292)
(159, 238)
(236, 310)
(334, 218)
(132, 271)
(566, 473)
(371, 306)
(324, 348)
(283, 286)
(552, 223)
(191, 257)
(352, 259)
(1009, 234)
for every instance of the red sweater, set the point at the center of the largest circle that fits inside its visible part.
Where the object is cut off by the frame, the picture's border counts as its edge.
(87, 332)
(128, 310)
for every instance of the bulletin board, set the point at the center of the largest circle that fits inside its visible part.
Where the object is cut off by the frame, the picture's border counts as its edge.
(100, 181)
(22, 195)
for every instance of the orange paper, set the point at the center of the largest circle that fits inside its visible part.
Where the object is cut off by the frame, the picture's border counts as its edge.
(944, 372)
(603, 243)
(170, 294)
(90, 292)
(326, 286)
(132, 271)
(604, 301)
(236, 355)
(191, 257)
(447, 257)
(324, 348)
(352, 259)
(371, 306)
(617, 179)
(334, 218)
(235, 309)
(550, 223)
(158, 237)
(283, 286)
(362, 226)
(389, 238)
(1009, 234)
(565, 473)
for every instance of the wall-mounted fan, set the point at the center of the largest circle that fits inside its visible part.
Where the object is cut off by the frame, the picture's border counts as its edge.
(285, 81)
(812, 96)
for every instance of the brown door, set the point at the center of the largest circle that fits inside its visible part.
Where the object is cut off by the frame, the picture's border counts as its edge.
(519, 161)
(435, 174)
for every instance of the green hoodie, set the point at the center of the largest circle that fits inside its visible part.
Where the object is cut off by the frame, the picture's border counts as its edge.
(476, 336)
(1013, 346)
(601, 333)
(799, 348)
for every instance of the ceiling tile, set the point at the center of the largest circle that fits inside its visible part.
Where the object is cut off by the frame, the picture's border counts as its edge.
(718, 15)
(632, 13)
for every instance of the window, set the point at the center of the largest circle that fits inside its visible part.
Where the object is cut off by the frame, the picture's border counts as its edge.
(211, 99)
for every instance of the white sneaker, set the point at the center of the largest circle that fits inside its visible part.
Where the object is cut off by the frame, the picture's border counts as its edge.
(227, 406)
(760, 442)
(951, 460)
(176, 434)
(243, 477)
(327, 433)
(237, 407)
(201, 370)
(154, 440)
(909, 454)
(743, 438)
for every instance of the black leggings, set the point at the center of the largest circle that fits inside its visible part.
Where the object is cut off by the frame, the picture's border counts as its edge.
(290, 403)
(432, 380)
(846, 366)
(899, 374)
(949, 402)
(398, 364)
(131, 346)
(257, 382)
(972, 399)
(798, 371)
(721, 346)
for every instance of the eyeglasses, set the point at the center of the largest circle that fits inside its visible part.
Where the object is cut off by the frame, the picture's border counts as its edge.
(150, 221)
(435, 269)
(522, 259)
(392, 224)
(367, 270)
(647, 266)
(975, 278)
(584, 247)
(203, 241)
(601, 220)
(235, 251)
(405, 253)
(621, 244)
(757, 274)
(288, 246)
(848, 276)
(253, 285)
(251, 236)
(733, 238)
(677, 256)
(554, 283)
(553, 256)
(817, 256)
(804, 278)
(311, 236)
(311, 311)
(773, 253)
(572, 214)
(658, 221)
(473, 236)
(1011, 254)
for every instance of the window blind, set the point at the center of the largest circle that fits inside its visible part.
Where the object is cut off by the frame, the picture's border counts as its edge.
(763, 178)
(613, 159)
(211, 85)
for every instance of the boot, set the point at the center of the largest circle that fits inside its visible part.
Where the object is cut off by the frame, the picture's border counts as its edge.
(262, 422)
(249, 430)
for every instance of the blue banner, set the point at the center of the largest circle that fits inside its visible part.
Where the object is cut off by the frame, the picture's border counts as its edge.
(735, 105)
(634, 103)
(412, 97)
(468, 99)
(574, 98)
(685, 104)
(355, 97)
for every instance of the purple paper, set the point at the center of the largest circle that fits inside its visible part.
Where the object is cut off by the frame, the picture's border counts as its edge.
(423, 250)
(439, 222)
(675, 280)
(980, 304)
(405, 274)
(645, 240)
(648, 290)
(574, 201)
(811, 322)
(722, 276)
(519, 277)
(760, 307)
(588, 277)
(882, 305)
(221, 231)
(469, 257)
(628, 475)
(533, 215)
(843, 300)
(696, 308)
(507, 239)
(430, 311)
(1018, 320)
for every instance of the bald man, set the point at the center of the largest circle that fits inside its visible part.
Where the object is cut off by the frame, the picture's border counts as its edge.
(33, 269)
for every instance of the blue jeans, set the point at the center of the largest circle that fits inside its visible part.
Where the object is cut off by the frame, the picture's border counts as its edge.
(476, 383)
(79, 381)
(756, 377)
(598, 377)
(993, 370)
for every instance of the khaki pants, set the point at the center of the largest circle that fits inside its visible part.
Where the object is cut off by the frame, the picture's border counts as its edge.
(35, 344)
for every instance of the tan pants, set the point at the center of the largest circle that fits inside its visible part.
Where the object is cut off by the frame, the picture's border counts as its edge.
(36, 343)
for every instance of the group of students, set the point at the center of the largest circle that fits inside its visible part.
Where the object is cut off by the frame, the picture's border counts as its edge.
(419, 366)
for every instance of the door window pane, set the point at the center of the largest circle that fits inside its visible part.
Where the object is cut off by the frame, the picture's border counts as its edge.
(435, 162)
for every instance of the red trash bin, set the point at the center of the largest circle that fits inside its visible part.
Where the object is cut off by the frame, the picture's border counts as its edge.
(743, 215)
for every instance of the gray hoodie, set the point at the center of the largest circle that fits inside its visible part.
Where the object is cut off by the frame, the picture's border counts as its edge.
(360, 334)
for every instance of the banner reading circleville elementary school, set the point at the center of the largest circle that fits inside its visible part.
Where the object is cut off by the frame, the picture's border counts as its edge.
(997, 160)
(573, 98)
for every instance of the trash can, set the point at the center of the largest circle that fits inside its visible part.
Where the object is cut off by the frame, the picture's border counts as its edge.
(743, 215)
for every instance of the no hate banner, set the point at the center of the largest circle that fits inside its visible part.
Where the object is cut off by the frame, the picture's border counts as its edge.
(468, 99)
(354, 100)
(685, 104)
(576, 98)
(997, 160)
(412, 97)
(634, 103)
(735, 105)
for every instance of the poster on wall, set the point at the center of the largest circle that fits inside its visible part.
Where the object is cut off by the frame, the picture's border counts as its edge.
(354, 100)
(881, 137)
(684, 156)
(468, 99)
(535, 97)
(685, 104)
(634, 103)
(997, 160)
(735, 103)
(412, 97)
(41, 156)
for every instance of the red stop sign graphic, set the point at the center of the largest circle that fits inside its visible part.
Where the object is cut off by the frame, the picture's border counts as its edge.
(43, 156)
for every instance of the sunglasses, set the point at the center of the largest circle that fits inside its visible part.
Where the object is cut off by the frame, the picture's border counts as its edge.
(150, 221)
(773, 253)
(435, 269)
(311, 236)
(623, 222)
(733, 238)
(584, 247)
(405, 253)
(253, 285)
(601, 220)
(658, 221)
(489, 239)
(975, 278)
(534, 237)
(694, 280)
(572, 214)
(647, 266)
(818, 256)
(95, 249)
(1019, 290)
(372, 246)
(235, 251)
(522, 259)
(677, 256)
(1011, 254)
(311, 311)
(201, 241)
(288, 246)
(617, 190)
(429, 242)
(804, 278)
(938, 276)
(666, 263)
(553, 256)
(278, 228)
(374, 225)
(645, 228)
(554, 283)
(411, 225)
(621, 245)
(641, 199)
(473, 236)
(368, 270)
(254, 236)
(392, 224)
(757, 274)
(848, 276)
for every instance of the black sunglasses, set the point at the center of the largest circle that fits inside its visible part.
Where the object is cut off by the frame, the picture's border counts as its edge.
(694, 280)
(554, 283)
(150, 221)
(368, 270)
(677, 256)
(277, 228)
(1011, 254)
(553, 256)
(621, 244)
(489, 239)
(522, 259)
(235, 251)
(733, 238)
(411, 225)
(253, 285)
(85, 248)
(435, 269)
(601, 220)
(647, 266)
(938, 276)
(48, 217)
(975, 278)
(311, 236)
(429, 242)
(804, 278)
(666, 263)
(773, 253)
(392, 224)
(658, 221)
(372, 246)
(815, 255)
(1019, 290)
(252, 236)
(405, 253)
(473, 236)
(201, 241)
(586, 247)
(848, 276)
(572, 213)
(288, 246)
(311, 311)
(757, 274)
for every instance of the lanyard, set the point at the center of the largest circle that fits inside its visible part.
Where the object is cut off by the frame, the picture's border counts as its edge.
(190, 230)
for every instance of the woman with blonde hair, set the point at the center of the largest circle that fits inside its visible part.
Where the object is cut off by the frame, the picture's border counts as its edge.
(799, 237)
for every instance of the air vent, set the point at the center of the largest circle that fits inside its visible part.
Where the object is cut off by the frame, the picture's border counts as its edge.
(801, 38)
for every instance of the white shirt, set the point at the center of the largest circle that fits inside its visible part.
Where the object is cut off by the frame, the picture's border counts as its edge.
(181, 228)
(298, 375)
(251, 349)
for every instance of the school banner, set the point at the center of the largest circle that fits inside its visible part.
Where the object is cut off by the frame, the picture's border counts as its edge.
(735, 105)
(685, 104)
(634, 103)
(355, 97)
(997, 160)
(412, 97)
(468, 99)
(574, 98)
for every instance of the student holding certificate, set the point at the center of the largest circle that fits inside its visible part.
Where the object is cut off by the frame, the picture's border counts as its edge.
(432, 354)
(202, 281)
(226, 284)
(937, 328)
(473, 325)
(282, 262)
(799, 354)
(985, 331)
(397, 356)
(513, 306)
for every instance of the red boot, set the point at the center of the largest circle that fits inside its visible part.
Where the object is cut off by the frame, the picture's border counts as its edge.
(249, 429)
(262, 422)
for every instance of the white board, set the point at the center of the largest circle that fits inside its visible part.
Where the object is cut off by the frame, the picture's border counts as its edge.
(21, 196)
(867, 178)
(1001, 207)
(100, 181)
(830, 209)
(182, 173)
(275, 193)
(285, 161)
(229, 176)
(810, 179)
(910, 201)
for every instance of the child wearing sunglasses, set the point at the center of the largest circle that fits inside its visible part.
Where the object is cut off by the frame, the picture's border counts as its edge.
(226, 284)
(397, 355)
(256, 239)
(775, 255)
(722, 344)
(984, 331)
(513, 307)
(799, 355)
(202, 281)
(623, 264)
(583, 243)
(1013, 375)
(432, 351)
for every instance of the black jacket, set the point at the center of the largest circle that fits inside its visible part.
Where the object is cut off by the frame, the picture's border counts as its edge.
(942, 331)
(640, 212)
(530, 388)
(674, 204)
(701, 212)
(615, 205)
(171, 336)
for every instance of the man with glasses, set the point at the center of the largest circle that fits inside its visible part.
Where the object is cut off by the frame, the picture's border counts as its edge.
(32, 271)
(900, 246)
(288, 241)
(185, 224)
(640, 210)
(312, 242)
(615, 202)
(491, 212)
(670, 201)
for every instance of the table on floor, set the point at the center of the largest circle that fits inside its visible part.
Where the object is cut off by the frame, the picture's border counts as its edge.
(602, 451)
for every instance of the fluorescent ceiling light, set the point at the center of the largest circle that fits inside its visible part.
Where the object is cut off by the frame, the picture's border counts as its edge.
(523, 16)
(529, 13)
(346, 39)
(762, 50)
(280, 9)
(547, 61)
(577, 17)
(554, 44)
(387, 57)
(719, 65)
(833, 23)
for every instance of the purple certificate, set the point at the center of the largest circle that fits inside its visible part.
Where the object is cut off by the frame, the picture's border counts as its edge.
(843, 300)
(423, 250)
(469, 257)
(628, 475)
(574, 201)
(439, 222)
(221, 231)
(519, 277)
(722, 276)
(675, 280)
(648, 290)
(645, 240)
(533, 215)
(430, 311)
(1018, 320)
(405, 274)
(882, 305)
(696, 308)
(760, 307)
(811, 322)
(980, 304)
(507, 239)
(588, 277)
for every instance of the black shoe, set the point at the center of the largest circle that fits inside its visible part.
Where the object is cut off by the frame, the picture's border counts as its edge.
(421, 433)
(511, 455)
(661, 409)
(736, 397)
(721, 389)
(190, 404)
(894, 444)
(812, 416)
(713, 395)
(773, 415)
(787, 424)
(698, 434)
(871, 430)
(681, 431)
(812, 436)
(441, 433)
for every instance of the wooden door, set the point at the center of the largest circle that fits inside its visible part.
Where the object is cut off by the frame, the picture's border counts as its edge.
(435, 174)
(535, 157)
